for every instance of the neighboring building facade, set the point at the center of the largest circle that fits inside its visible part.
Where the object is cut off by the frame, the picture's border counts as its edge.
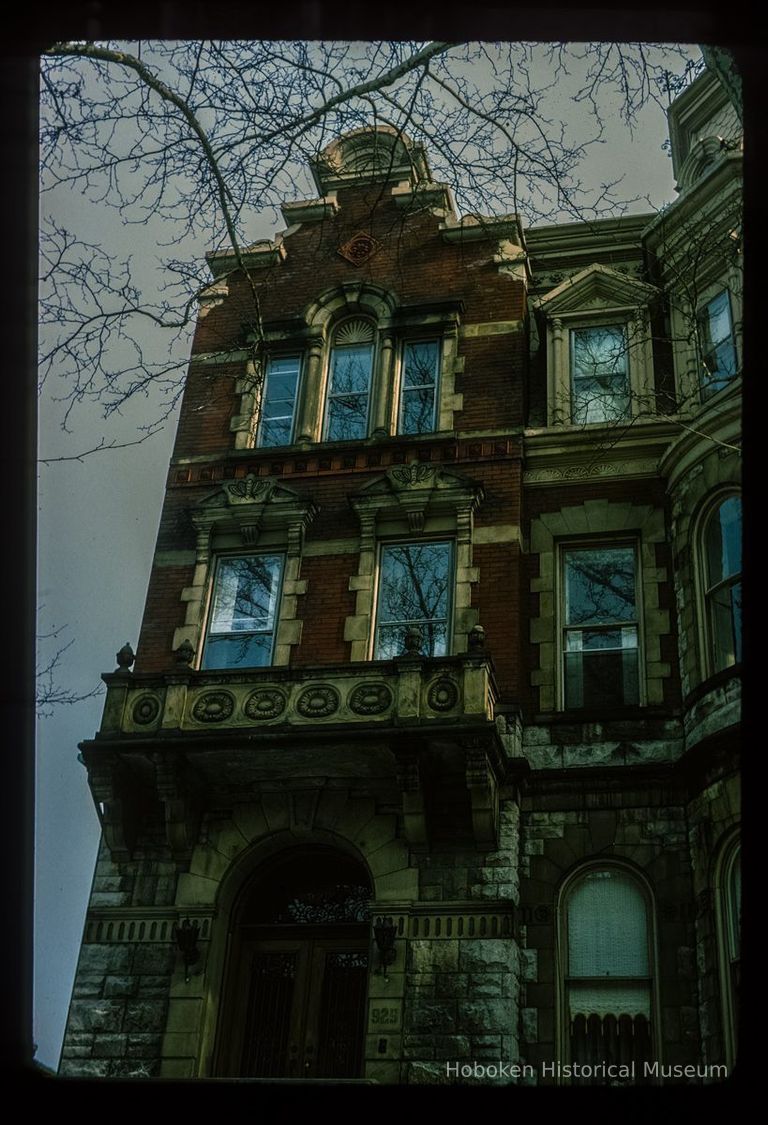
(429, 755)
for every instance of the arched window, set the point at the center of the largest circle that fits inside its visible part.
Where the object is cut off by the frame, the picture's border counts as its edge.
(729, 935)
(350, 370)
(606, 965)
(721, 557)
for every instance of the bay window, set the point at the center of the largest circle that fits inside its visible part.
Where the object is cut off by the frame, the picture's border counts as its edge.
(243, 613)
(718, 345)
(722, 582)
(600, 626)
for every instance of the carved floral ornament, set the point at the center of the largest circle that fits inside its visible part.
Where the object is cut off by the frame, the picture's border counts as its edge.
(359, 248)
(252, 503)
(416, 490)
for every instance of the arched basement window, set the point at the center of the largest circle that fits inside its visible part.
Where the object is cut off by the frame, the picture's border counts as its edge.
(607, 969)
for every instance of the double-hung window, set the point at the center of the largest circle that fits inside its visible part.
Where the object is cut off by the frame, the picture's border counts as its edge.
(414, 593)
(600, 626)
(244, 610)
(419, 377)
(599, 374)
(278, 401)
(349, 381)
(718, 345)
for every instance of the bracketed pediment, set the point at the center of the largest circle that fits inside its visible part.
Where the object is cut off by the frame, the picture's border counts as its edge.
(416, 490)
(251, 504)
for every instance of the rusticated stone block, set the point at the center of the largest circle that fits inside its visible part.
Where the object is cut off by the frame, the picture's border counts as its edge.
(120, 986)
(145, 1016)
(485, 1015)
(433, 956)
(109, 1046)
(84, 1068)
(487, 956)
(154, 959)
(95, 1015)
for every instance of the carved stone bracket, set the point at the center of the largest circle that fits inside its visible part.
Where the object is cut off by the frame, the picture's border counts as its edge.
(179, 791)
(409, 782)
(115, 797)
(483, 791)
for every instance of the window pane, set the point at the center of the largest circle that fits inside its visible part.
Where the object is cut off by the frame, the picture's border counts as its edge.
(243, 614)
(600, 400)
(420, 364)
(347, 418)
(351, 370)
(413, 590)
(723, 541)
(278, 401)
(607, 927)
(599, 585)
(418, 411)
(725, 617)
(599, 351)
(601, 678)
(599, 374)
(240, 650)
(246, 594)
(718, 345)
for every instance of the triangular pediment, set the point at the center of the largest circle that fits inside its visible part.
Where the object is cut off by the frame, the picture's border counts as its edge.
(412, 490)
(594, 288)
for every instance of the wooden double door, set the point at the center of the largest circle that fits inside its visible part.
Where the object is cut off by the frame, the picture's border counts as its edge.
(297, 1005)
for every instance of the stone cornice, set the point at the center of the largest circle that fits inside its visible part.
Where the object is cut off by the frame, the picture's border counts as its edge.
(266, 252)
(310, 210)
(577, 453)
(480, 228)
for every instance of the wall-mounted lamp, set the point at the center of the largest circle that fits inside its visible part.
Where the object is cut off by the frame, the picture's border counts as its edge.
(384, 933)
(186, 936)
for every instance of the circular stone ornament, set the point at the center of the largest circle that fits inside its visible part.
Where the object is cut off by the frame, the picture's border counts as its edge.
(213, 707)
(443, 695)
(146, 709)
(318, 702)
(266, 703)
(370, 699)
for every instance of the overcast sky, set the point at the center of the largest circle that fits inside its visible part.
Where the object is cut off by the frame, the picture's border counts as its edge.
(97, 524)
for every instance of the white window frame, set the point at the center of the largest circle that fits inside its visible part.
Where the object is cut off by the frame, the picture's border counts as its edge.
(563, 627)
(275, 604)
(299, 356)
(385, 545)
(406, 342)
(623, 327)
(702, 327)
(329, 395)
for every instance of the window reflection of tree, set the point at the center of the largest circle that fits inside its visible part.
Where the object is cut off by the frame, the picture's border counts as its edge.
(414, 592)
(349, 390)
(419, 385)
(243, 615)
(600, 392)
(600, 586)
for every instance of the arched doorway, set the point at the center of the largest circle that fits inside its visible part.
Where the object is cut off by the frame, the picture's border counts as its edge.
(295, 987)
